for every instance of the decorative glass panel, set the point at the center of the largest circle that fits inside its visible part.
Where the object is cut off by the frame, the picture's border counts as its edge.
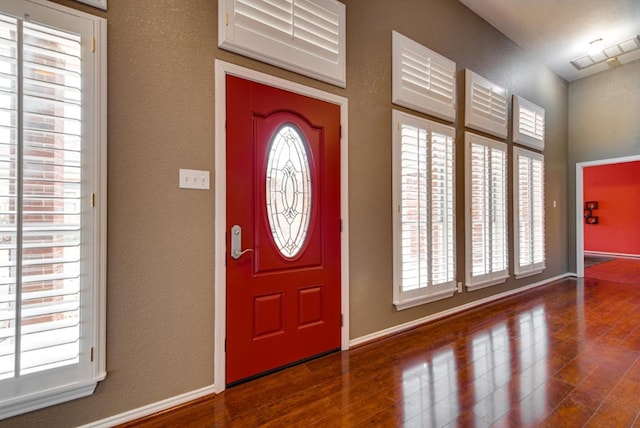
(288, 190)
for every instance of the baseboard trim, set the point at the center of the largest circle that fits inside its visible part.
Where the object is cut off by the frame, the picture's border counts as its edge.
(178, 400)
(430, 318)
(151, 409)
(616, 255)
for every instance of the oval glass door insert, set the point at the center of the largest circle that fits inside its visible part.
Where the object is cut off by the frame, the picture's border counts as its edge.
(288, 190)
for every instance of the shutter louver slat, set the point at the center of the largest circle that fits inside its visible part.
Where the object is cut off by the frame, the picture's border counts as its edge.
(317, 26)
(272, 16)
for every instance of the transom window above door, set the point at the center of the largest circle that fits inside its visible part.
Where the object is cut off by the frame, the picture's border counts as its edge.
(305, 36)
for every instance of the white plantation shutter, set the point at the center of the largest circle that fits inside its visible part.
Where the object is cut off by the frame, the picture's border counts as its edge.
(485, 105)
(528, 186)
(528, 123)
(486, 197)
(47, 260)
(424, 220)
(423, 80)
(305, 36)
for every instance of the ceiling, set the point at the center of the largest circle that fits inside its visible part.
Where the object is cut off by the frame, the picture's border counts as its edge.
(559, 31)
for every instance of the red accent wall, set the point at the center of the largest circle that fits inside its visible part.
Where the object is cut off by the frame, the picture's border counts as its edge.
(616, 187)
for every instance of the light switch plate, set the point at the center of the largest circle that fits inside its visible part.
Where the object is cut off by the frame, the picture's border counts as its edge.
(194, 179)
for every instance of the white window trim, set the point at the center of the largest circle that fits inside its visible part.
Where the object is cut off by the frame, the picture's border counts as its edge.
(408, 299)
(486, 105)
(522, 271)
(491, 278)
(94, 129)
(422, 79)
(286, 52)
(526, 111)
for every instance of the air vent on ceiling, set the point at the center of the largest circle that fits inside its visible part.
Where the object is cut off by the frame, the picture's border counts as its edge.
(608, 53)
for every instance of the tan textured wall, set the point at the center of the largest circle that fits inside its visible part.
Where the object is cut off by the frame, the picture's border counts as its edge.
(161, 118)
(604, 123)
(452, 30)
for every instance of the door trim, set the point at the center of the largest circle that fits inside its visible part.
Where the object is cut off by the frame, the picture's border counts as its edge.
(580, 202)
(222, 69)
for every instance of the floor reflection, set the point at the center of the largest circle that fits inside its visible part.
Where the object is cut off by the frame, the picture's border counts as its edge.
(497, 368)
(491, 371)
(534, 351)
(435, 380)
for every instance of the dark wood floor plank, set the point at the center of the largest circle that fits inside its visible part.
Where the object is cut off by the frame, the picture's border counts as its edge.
(567, 354)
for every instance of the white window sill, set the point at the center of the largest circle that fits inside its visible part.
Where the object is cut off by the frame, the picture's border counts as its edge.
(50, 397)
(422, 300)
(529, 273)
(485, 284)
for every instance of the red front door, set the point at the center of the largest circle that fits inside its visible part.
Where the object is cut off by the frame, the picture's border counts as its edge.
(283, 228)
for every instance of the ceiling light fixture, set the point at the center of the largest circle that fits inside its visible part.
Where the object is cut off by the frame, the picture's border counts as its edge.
(595, 47)
(618, 51)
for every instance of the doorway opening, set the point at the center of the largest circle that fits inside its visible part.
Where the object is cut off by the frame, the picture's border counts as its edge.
(580, 206)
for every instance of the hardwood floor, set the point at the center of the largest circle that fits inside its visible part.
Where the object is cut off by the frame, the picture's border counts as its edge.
(567, 354)
(616, 270)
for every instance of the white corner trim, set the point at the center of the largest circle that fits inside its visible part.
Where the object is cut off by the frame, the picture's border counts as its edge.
(429, 318)
(609, 254)
(150, 409)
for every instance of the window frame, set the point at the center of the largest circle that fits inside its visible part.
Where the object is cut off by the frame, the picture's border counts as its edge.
(535, 267)
(91, 367)
(491, 277)
(431, 292)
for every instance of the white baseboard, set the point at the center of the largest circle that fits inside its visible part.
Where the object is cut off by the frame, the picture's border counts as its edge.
(159, 406)
(150, 409)
(605, 254)
(418, 322)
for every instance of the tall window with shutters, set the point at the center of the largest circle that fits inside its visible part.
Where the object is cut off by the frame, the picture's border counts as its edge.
(486, 225)
(423, 217)
(528, 186)
(51, 232)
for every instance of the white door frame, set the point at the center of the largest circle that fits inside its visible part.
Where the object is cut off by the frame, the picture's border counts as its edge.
(222, 69)
(580, 202)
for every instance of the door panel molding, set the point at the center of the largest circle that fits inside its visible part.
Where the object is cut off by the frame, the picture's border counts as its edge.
(222, 69)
